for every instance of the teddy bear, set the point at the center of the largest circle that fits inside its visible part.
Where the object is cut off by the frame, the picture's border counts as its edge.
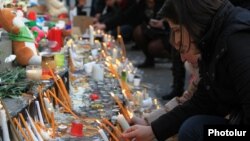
(56, 7)
(23, 43)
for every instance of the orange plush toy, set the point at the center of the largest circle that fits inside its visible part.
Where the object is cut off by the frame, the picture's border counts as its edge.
(23, 43)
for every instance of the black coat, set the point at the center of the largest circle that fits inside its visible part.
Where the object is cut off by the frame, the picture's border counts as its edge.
(224, 71)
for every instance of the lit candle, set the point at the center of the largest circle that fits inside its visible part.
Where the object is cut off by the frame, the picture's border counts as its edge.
(103, 135)
(48, 105)
(33, 72)
(120, 39)
(39, 112)
(6, 136)
(114, 54)
(122, 121)
(123, 110)
(91, 35)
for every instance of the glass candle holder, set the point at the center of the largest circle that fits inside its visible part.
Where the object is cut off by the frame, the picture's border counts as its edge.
(33, 72)
(48, 61)
(59, 59)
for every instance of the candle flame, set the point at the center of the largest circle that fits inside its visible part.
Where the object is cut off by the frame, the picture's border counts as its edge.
(130, 114)
(98, 121)
(112, 94)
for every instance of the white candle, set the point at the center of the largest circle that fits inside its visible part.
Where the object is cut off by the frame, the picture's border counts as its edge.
(98, 72)
(32, 133)
(122, 121)
(5, 130)
(39, 112)
(114, 54)
(33, 72)
(48, 105)
(103, 135)
(91, 35)
(34, 127)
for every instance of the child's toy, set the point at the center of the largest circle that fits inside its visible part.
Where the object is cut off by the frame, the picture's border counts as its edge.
(55, 7)
(22, 39)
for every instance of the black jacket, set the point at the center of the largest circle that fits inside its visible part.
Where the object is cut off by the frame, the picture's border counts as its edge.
(224, 71)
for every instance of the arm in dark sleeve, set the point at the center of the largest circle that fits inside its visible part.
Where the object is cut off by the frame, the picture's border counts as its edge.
(239, 69)
(168, 124)
(112, 18)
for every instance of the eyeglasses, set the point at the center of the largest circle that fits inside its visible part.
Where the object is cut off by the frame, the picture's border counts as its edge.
(173, 33)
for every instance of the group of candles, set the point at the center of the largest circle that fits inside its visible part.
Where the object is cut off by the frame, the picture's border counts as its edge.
(35, 72)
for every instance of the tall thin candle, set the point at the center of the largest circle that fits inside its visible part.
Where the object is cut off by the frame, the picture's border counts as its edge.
(39, 112)
(6, 136)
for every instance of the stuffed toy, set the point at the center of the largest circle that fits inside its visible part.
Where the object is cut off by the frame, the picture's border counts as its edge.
(23, 43)
(55, 7)
(39, 33)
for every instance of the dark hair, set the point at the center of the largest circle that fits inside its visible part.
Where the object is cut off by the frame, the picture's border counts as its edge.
(195, 15)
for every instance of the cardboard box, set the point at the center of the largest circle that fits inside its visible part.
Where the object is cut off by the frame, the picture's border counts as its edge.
(82, 22)
(41, 9)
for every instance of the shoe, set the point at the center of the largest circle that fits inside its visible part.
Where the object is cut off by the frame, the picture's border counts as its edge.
(172, 94)
(146, 65)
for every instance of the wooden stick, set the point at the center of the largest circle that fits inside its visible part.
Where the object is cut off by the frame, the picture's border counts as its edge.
(57, 84)
(43, 107)
(54, 92)
(123, 110)
(120, 39)
(66, 94)
(108, 130)
(67, 108)
(20, 129)
(118, 30)
(9, 118)
(53, 125)
(118, 132)
(26, 126)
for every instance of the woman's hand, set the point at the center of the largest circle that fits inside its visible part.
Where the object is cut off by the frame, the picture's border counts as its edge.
(139, 133)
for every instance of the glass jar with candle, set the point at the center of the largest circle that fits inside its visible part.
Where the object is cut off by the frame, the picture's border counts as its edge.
(33, 72)
(48, 61)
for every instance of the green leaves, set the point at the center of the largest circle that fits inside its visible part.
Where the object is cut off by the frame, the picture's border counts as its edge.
(12, 82)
